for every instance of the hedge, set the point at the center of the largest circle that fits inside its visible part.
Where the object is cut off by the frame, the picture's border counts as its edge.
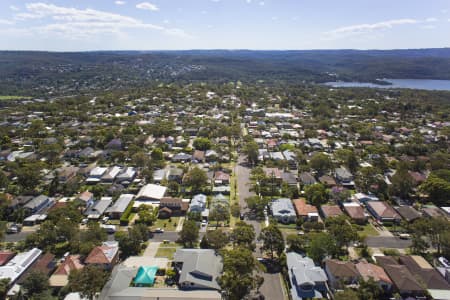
(124, 219)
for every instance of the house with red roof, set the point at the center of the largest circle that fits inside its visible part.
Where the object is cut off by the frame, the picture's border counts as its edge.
(105, 256)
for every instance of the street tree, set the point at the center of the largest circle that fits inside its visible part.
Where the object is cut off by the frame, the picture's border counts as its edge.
(188, 235)
(273, 240)
(243, 235)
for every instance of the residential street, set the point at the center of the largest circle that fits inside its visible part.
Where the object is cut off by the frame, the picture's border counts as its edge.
(387, 242)
(271, 288)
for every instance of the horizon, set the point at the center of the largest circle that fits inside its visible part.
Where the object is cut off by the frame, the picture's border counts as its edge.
(256, 25)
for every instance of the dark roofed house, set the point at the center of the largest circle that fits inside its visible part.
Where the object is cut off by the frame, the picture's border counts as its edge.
(355, 212)
(327, 180)
(408, 213)
(46, 264)
(176, 206)
(114, 144)
(306, 178)
(424, 272)
(329, 211)
(341, 273)
(433, 212)
(289, 178)
(405, 282)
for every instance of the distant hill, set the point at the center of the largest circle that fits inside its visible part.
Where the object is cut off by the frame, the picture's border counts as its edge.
(45, 72)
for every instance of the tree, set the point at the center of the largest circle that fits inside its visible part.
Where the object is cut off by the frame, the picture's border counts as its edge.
(273, 240)
(219, 213)
(217, 239)
(202, 144)
(188, 235)
(196, 179)
(243, 235)
(369, 289)
(321, 163)
(296, 243)
(140, 159)
(36, 283)
(28, 177)
(341, 230)
(321, 246)
(438, 189)
(348, 158)
(235, 210)
(157, 154)
(237, 277)
(316, 194)
(88, 281)
(402, 182)
(146, 214)
(250, 150)
(4, 287)
(257, 205)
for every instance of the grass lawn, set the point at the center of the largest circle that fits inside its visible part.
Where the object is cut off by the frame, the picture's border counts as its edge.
(167, 250)
(165, 224)
(368, 230)
(14, 98)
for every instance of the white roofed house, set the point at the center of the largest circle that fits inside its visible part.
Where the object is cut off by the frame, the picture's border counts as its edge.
(151, 192)
(110, 175)
(17, 266)
(96, 174)
(283, 210)
(126, 175)
(198, 204)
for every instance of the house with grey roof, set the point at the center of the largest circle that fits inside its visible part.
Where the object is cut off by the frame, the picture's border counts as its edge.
(119, 207)
(343, 176)
(127, 175)
(37, 204)
(283, 210)
(307, 280)
(99, 208)
(198, 268)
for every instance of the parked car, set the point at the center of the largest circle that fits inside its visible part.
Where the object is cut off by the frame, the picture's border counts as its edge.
(110, 229)
(13, 228)
(159, 230)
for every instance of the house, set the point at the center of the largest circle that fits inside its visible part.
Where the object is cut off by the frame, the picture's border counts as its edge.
(383, 212)
(306, 179)
(424, 272)
(306, 279)
(341, 273)
(363, 198)
(105, 256)
(45, 264)
(174, 206)
(198, 268)
(327, 180)
(291, 158)
(330, 211)
(119, 288)
(199, 156)
(114, 144)
(283, 210)
(355, 212)
(37, 204)
(404, 281)
(18, 265)
(96, 174)
(87, 198)
(198, 204)
(367, 270)
(181, 157)
(126, 175)
(151, 192)
(118, 208)
(273, 174)
(211, 155)
(110, 175)
(98, 208)
(159, 175)
(343, 176)
(289, 178)
(60, 277)
(67, 173)
(175, 174)
(221, 178)
(305, 211)
(408, 213)
(433, 212)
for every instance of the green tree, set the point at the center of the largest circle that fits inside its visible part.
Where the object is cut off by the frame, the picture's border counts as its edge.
(316, 194)
(88, 281)
(250, 150)
(196, 179)
(243, 235)
(402, 182)
(321, 163)
(140, 159)
(146, 214)
(321, 246)
(157, 154)
(438, 189)
(4, 287)
(296, 243)
(273, 240)
(28, 177)
(202, 144)
(369, 289)
(36, 283)
(188, 235)
(341, 230)
(217, 239)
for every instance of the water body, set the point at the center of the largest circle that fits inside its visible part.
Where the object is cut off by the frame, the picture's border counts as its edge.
(420, 84)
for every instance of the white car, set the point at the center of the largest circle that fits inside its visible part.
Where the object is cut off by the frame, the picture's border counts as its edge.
(159, 230)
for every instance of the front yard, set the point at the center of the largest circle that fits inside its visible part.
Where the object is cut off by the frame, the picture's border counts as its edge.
(167, 250)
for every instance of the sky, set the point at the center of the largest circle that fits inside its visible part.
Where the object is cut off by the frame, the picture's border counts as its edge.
(85, 25)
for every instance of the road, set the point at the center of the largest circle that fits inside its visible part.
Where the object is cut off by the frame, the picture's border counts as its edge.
(271, 288)
(387, 242)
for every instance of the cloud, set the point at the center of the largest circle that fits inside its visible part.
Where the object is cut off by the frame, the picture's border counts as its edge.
(14, 8)
(147, 6)
(431, 20)
(75, 23)
(359, 29)
(6, 22)
(118, 2)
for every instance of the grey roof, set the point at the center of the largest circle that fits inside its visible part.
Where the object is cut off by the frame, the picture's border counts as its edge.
(343, 173)
(200, 266)
(99, 207)
(36, 202)
(307, 178)
(302, 271)
(276, 155)
(289, 155)
(282, 206)
(121, 204)
(198, 203)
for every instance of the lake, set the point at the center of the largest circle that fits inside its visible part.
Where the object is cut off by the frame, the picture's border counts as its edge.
(420, 84)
